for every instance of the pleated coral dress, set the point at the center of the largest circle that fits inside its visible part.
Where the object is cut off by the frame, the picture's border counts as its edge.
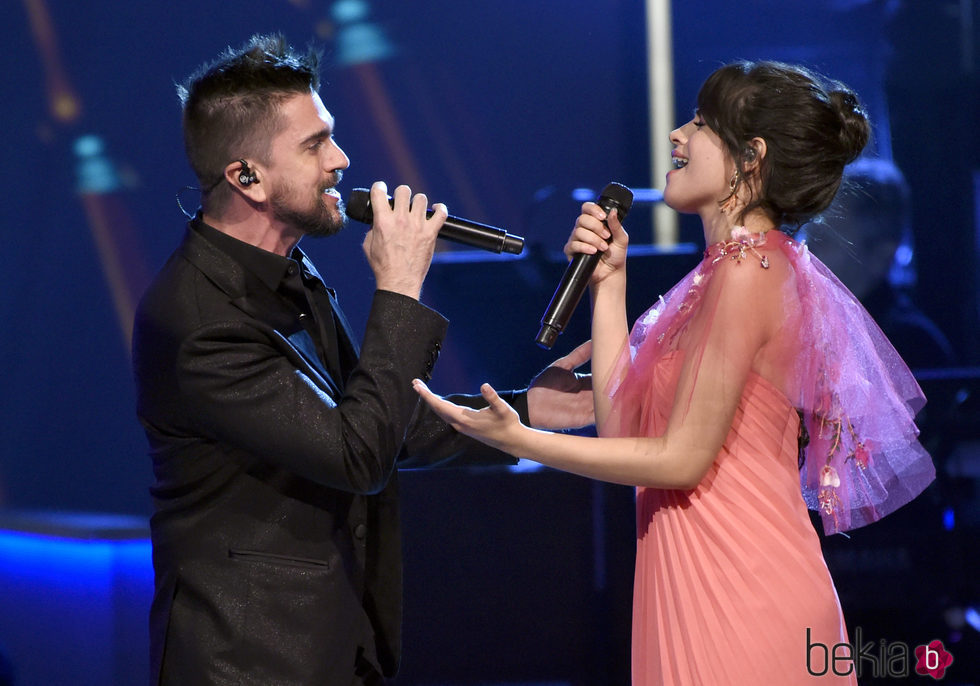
(730, 581)
(731, 588)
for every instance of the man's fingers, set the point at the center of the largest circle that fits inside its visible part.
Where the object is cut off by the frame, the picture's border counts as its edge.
(577, 357)
(491, 396)
(420, 204)
(402, 197)
(379, 194)
(440, 211)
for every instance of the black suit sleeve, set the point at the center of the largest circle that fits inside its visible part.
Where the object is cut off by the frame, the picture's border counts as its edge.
(241, 388)
(431, 442)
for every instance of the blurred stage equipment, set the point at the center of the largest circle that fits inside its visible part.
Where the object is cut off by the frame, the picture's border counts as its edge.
(99, 185)
(660, 76)
(359, 40)
(63, 102)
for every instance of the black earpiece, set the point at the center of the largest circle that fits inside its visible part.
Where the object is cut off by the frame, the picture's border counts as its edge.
(749, 153)
(246, 176)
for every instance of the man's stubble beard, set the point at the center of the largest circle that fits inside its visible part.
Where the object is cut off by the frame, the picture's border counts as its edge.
(319, 221)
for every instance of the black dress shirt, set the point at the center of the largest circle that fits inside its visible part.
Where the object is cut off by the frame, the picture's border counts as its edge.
(295, 280)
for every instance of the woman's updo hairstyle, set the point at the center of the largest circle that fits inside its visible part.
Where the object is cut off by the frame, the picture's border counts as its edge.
(812, 128)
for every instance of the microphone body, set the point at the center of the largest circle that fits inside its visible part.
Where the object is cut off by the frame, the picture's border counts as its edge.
(579, 271)
(455, 229)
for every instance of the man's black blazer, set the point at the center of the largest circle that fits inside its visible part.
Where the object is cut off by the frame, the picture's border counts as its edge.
(276, 540)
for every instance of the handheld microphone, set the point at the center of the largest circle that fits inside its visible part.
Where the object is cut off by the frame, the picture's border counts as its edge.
(576, 277)
(455, 229)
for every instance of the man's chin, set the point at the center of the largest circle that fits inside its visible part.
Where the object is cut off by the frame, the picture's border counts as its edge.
(328, 222)
(325, 229)
(322, 220)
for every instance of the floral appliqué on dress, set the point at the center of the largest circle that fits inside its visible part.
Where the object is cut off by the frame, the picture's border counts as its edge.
(835, 426)
(742, 241)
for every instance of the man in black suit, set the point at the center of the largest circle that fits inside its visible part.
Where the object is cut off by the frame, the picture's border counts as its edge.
(275, 441)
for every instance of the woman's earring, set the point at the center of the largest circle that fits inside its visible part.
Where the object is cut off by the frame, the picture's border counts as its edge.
(728, 204)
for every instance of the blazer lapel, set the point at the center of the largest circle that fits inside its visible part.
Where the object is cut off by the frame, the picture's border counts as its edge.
(349, 350)
(255, 299)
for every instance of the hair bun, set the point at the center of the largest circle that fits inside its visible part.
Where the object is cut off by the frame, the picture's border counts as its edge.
(855, 127)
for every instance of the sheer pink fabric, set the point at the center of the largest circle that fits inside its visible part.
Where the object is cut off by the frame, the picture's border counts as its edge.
(833, 363)
(731, 586)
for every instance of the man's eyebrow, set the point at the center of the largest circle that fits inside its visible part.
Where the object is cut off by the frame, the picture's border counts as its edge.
(322, 134)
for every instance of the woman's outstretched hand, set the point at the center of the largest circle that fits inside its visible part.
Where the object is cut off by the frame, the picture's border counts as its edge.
(498, 425)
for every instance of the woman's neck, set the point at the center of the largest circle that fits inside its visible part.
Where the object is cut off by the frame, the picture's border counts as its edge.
(718, 225)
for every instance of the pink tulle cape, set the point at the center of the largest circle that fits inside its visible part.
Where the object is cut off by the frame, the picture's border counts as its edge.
(857, 398)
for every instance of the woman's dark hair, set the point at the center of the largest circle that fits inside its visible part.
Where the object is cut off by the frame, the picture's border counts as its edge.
(231, 106)
(812, 127)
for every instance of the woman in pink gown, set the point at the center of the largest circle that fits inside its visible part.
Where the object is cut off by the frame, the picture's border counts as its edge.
(713, 394)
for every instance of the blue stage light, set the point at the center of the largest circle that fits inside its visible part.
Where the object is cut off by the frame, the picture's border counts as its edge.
(94, 170)
(949, 519)
(76, 596)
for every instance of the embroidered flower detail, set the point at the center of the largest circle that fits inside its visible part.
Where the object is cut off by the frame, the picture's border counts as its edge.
(741, 242)
(828, 500)
(827, 497)
(740, 234)
(837, 437)
(829, 477)
(698, 278)
(653, 314)
(862, 455)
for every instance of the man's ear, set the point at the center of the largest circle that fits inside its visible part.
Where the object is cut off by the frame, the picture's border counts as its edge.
(245, 178)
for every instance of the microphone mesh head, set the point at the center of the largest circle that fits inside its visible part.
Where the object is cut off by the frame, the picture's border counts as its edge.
(614, 195)
(359, 205)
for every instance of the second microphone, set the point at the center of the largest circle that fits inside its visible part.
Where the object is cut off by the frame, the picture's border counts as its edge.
(574, 282)
(455, 229)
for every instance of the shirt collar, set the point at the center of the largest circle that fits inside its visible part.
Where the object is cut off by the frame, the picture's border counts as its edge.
(269, 267)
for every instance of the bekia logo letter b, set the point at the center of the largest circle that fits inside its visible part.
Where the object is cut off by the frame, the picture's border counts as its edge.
(932, 659)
